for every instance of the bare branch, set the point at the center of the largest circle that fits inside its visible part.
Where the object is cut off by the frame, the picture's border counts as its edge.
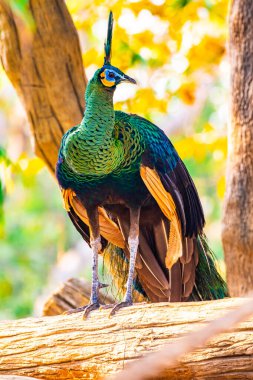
(67, 347)
(152, 364)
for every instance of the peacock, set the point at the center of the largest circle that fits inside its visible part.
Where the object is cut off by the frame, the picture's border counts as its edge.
(125, 187)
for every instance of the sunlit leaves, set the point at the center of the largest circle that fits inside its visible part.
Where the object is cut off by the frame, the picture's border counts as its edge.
(207, 54)
(1, 208)
(29, 167)
(4, 162)
(181, 3)
(186, 92)
(157, 36)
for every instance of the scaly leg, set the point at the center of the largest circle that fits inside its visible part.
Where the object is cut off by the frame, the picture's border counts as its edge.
(95, 242)
(133, 243)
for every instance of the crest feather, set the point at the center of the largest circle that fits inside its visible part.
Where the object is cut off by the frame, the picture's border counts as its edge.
(108, 41)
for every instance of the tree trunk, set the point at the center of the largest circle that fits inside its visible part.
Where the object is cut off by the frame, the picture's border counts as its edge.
(7, 377)
(45, 68)
(68, 347)
(237, 232)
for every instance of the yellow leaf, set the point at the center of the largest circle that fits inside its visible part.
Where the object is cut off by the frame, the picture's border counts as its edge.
(221, 186)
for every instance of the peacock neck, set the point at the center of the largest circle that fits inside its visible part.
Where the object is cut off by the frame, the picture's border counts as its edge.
(99, 116)
(92, 149)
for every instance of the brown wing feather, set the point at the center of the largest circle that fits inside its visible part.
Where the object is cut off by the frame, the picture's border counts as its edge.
(150, 273)
(180, 185)
(108, 228)
(168, 207)
(180, 258)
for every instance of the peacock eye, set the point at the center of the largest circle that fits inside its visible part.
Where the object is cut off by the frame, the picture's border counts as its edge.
(111, 74)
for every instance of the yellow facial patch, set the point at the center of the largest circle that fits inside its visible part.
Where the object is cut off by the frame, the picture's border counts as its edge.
(106, 82)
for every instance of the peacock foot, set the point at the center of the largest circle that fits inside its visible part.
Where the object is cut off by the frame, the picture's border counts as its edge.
(87, 309)
(120, 305)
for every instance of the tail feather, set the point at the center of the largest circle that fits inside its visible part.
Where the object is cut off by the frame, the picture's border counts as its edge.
(209, 284)
(117, 264)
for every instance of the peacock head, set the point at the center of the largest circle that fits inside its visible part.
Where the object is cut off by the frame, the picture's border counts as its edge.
(110, 76)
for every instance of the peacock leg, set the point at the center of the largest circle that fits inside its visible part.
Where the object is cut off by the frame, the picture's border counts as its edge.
(95, 242)
(133, 243)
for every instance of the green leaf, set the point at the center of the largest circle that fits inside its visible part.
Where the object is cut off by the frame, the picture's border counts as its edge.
(181, 3)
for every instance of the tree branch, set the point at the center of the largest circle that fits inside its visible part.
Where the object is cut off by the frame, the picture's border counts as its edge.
(67, 347)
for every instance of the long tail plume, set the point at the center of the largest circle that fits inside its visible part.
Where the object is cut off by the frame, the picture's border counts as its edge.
(108, 41)
(116, 265)
(209, 284)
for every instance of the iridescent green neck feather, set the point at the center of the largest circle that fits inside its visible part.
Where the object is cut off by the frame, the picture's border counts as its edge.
(92, 148)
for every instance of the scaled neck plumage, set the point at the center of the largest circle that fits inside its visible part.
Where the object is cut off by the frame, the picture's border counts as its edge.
(92, 148)
(99, 114)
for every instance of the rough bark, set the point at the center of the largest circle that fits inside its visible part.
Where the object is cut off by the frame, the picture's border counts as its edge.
(237, 233)
(7, 377)
(45, 67)
(71, 295)
(67, 347)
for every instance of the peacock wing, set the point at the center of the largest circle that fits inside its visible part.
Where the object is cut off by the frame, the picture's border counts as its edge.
(167, 205)
(170, 184)
(108, 228)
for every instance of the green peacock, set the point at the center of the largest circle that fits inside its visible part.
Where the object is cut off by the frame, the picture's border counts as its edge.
(128, 193)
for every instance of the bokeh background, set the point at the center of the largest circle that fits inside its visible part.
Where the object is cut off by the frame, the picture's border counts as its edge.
(176, 50)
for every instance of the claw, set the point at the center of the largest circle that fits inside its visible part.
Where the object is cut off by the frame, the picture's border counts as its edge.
(107, 306)
(77, 310)
(101, 285)
(120, 306)
(87, 309)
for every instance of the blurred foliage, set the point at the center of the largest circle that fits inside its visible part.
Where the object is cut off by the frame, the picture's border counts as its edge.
(176, 51)
(33, 230)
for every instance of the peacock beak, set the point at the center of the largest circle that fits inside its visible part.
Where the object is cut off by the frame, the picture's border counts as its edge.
(126, 78)
(121, 78)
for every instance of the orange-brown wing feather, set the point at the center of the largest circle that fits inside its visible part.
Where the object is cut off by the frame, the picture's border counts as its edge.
(168, 207)
(108, 228)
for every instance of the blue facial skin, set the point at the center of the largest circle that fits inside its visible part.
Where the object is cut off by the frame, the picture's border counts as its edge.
(111, 75)
(114, 75)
